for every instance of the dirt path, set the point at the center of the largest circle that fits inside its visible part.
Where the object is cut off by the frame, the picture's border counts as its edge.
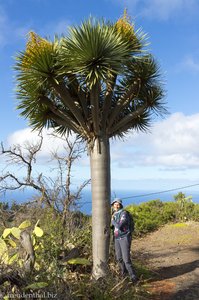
(172, 253)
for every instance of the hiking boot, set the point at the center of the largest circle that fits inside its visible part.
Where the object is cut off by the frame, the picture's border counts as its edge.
(134, 279)
(124, 275)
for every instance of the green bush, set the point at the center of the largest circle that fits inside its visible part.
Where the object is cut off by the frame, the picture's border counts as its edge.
(58, 239)
(169, 213)
(195, 213)
(149, 216)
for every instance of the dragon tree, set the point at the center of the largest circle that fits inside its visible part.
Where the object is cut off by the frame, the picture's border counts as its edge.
(98, 81)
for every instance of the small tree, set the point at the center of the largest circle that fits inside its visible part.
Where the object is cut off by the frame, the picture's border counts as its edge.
(182, 202)
(54, 193)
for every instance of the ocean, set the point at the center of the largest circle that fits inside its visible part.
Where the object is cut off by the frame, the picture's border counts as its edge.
(136, 197)
(128, 197)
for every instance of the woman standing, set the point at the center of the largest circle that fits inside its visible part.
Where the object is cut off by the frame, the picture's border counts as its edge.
(122, 239)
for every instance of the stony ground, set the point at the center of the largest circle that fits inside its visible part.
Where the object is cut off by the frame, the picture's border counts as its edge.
(172, 254)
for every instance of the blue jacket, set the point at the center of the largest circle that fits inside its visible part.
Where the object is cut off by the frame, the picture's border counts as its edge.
(120, 222)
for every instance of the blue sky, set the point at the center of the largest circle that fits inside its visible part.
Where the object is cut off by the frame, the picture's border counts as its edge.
(168, 156)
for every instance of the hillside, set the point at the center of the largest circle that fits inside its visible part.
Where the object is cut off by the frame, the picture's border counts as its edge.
(172, 254)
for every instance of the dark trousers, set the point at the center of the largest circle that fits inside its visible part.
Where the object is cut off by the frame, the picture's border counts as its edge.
(122, 252)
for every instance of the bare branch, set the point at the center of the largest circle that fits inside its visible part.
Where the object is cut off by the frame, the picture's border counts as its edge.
(55, 191)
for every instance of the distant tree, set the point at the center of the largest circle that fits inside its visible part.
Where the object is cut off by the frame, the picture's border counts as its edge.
(183, 203)
(182, 199)
(98, 82)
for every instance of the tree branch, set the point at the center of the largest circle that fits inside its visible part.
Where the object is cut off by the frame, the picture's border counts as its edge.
(107, 102)
(64, 94)
(129, 118)
(123, 102)
(94, 100)
(79, 93)
(60, 116)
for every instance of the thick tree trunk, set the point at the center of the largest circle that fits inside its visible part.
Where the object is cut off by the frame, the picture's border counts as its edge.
(100, 184)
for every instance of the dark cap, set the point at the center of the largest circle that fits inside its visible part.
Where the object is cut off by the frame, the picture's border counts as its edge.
(117, 200)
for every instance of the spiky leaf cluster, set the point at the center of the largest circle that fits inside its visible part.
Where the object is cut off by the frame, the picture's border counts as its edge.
(95, 81)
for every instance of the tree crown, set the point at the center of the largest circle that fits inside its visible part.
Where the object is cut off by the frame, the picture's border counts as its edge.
(96, 80)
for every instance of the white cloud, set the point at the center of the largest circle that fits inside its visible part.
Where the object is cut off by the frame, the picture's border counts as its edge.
(164, 9)
(50, 143)
(190, 63)
(173, 143)
(44, 163)
(161, 9)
